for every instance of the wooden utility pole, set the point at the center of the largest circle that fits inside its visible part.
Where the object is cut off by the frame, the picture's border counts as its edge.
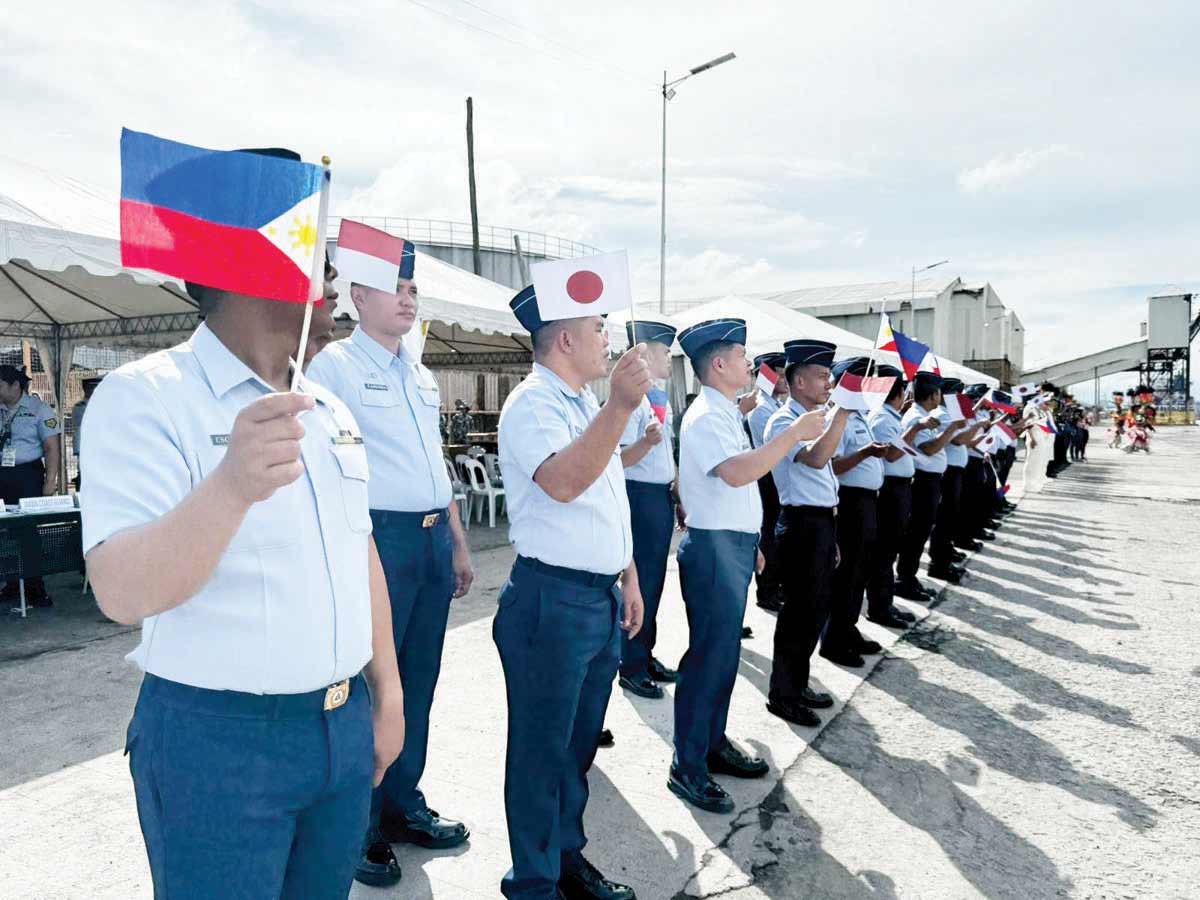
(471, 182)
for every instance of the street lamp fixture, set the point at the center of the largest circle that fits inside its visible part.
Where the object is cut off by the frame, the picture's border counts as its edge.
(668, 93)
(923, 269)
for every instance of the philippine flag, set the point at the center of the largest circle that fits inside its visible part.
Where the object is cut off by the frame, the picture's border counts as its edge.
(1001, 401)
(766, 380)
(912, 353)
(231, 220)
(886, 339)
(856, 393)
(366, 255)
(658, 403)
(587, 286)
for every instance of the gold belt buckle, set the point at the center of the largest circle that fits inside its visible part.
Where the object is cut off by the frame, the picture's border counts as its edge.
(430, 520)
(337, 694)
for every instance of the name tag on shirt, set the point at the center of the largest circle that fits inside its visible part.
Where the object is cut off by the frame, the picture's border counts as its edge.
(345, 437)
(220, 440)
(375, 387)
(9, 458)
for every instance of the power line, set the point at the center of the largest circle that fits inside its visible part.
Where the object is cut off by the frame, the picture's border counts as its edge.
(588, 61)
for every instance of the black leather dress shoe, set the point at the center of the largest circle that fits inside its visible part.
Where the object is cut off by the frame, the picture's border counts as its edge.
(642, 685)
(747, 632)
(815, 699)
(377, 865)
(729, 760)
(867, 647)
(606, 739)
(957, 556)
(424, 828)
(888, 619)
(844, 657)
(902, 614)
(945, 574)
(912, 590)
(700, 791)
(771, 602)
(580, 880)
(662, 673)
(793, 711)
(986, 536)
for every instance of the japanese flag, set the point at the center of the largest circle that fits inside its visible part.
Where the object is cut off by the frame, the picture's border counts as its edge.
(587, 286)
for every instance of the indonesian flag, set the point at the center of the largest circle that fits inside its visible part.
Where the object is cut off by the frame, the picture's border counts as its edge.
(368, 256)
(1000, 401)
(954, 407)
(965, 405)
(929, 363)
(658, 403)
(766, 380)
(587, 286)
(886, 339)
(860, 394)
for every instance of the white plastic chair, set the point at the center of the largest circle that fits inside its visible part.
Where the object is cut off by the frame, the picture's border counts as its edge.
(459, 493)
(475, 451)
(460, 466)
(482, 489)
(491, 462)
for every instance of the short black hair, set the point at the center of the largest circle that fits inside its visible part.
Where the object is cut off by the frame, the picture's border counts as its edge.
(705, 355)
(897, 389)
(544, 337)
(923, 390)
(790, 372)
(13, 375)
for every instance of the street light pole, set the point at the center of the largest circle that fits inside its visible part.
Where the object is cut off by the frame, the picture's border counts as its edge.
(915, 270)
(668, 91)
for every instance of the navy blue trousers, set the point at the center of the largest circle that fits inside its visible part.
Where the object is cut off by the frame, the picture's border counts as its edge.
(250, 796)
(806, 537)
(652, 511)
(891, 524)
(557, 632)
(715, 568)
(856, 536)
(926, 499)
(945, 525)
(418, 564)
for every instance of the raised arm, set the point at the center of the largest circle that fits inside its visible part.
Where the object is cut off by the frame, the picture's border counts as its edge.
(750, 465)
(821, 451)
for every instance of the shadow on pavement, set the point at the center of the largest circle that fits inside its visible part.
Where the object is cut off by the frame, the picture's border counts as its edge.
(1027, 590)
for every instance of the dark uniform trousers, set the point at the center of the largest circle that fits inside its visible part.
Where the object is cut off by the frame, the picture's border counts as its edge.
(945, 525)
(557, 632)
(17, 482)
(244, 796)
(856, 534)
(652, 515)
(418, 563)
(714, 575)
(807, 539)
(768, 582)
(891, 523)
(974, 507)
(926, 498)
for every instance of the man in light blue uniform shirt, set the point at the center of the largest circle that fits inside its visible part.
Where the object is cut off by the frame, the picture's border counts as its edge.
(768, 592)
(647, 452)
(421, 542)
(807, 532)
(944, 559)
(560, 615)
(858, 465)
(930, 463)
(895, 500)
(229, 516)
(717, 473)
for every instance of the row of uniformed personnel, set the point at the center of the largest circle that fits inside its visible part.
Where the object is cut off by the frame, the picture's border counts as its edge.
(283, 551)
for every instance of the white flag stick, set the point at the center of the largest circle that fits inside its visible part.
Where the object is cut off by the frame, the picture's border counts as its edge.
(316, 284)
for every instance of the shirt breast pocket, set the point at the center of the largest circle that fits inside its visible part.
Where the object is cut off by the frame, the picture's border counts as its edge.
(374, 397)
(352, 463)
(268, 524)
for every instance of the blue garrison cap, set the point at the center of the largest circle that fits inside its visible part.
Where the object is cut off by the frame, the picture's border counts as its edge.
(930, 379)
(525, 308)
(951, 386)
(639, 332)
(773, 360)
(408, 260)
(696, 337)
(809, 352)
(855, 365)
(975, 391)
(886, 371)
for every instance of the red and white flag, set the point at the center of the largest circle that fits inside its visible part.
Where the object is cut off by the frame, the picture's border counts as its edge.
(1010, 436)
(930, 364)
(861, 394)
(368, 256)
(586, 286)
(954, 407)
(966, 405)
(767, 379)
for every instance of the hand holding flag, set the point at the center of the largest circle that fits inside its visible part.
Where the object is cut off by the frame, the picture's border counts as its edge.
(630, 379)
(861, 394)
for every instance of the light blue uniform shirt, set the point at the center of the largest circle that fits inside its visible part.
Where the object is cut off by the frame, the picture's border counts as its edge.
(867, 474)
(288, 608)
(32, 423)
(956, 454)
(710, 433)
(759, 416)
(658, 465)
(542, 416)
(885, 425)
(923, 462)
(798, 483)
(980, 416)
(395, 401)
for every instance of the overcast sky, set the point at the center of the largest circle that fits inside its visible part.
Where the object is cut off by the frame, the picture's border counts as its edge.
(1046, 147)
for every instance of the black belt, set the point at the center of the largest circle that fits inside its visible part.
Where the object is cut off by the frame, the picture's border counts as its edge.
(817, 511)
(928, 475)
(896, 480)
(386, 518)
(575, 576)
(852, 490)
(648, 486)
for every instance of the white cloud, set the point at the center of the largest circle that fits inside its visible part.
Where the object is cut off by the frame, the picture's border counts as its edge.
(1003, 171)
